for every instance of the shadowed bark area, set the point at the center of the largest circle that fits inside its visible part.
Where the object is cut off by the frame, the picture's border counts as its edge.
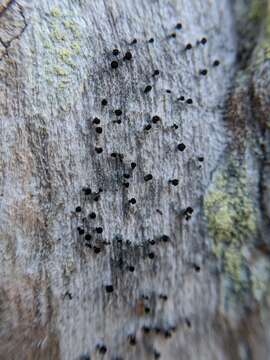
(134, 186)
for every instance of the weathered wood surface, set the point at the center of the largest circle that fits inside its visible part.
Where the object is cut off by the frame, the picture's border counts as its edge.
(55, 69)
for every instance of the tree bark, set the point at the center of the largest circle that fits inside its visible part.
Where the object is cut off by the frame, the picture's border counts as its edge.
(98, 258)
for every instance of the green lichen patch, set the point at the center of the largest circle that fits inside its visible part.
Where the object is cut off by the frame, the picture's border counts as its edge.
(231, 222)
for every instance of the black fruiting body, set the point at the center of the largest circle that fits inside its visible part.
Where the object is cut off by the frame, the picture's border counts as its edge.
(114, 64)
(128, 56)
(147, 89)
(109, 288)
(118, 112)
(148, 177)
(115, 52)
(181, 147)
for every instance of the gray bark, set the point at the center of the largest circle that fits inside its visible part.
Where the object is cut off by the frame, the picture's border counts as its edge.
(55, 69)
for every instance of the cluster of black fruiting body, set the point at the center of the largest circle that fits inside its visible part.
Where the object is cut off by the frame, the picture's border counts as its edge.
(91, 233)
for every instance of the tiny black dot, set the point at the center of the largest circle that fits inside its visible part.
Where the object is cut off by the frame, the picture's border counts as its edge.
(157, 354)
(147, 309)
(152, 242)
(173, 35)
(188, 46)
(109, 288)
(118, 112)
(165, 238)
(181, 147)
(148, 177)
(151, 40)
(97, 250)
(167, 334)
(147, 127)
(163, 297)
(134, 41)
(133, 165)
(156, 119)
(197, 268)
(201, 158)
(99, 230)
(114, 155)
(147, 89)
(156, 72)
(178, 26)
(189, 210)
(126, 176)
(174, 126)
(203, 72)
(104, 102)
(146, 329)
(88, 237)
(96, 121)
(181, 98)
(128, 56)
(96, 197)
(188, 323)
(99, 130)
(151, 255)
(132, 201)
(114, 64)
(92, 215)
(131, 268)
(132, 340)
(85, 357)
(115, 52)
(102, 349)
(80, 230)
(203, 41)
(189, 101)
(216, 63)
(174, 182)
(87, 191)
(126, 184)
(98, 150)
(78, 209)
(168, 91)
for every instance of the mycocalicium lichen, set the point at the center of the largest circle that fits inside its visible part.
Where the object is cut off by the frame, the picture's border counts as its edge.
(231, 220)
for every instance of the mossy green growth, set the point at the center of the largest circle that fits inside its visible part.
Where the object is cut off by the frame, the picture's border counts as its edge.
(231, 222)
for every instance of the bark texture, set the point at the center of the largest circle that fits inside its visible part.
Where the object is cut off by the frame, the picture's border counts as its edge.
(183, 273)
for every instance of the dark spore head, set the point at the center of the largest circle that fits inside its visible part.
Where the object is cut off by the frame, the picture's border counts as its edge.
(88, 237)
(132, 340)
(165, 238)
(133, 165)
(155, 119)
(189, 210)
(109, 288)
(102, 349)
(147, 309)
(163, 297)
(203, 41)
(97, 249)
(132, 201)
(147, 127)
(167, 334)
(78, 209)
(87, 191)
(216, 63)
(98, 150)
(126, 184)
(146, 329)
(114, 64)
(151, 242)
(189, 101)
(188, 46)
(128, 56)
(168, 91)
(116, 52)
(126, 176)
(147, 89)
(96, 197)
(151, 40)
(188, 323)
(118, 112)
(203, 72)
(99, 230)
(104, 102)
(181, 147)
(99, 130)
(92, 215)
(131, 268)
(80, 230)
(96, 121)
(157, 354)
(134, 41)
(173, 35)
(174, 182)
(156, 72)
(148, 177)
(178, 26)
(151, 255)
(197, 268)
(181, 98)
(201, 158)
